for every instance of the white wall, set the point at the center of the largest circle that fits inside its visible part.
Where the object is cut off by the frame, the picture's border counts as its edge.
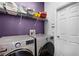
(50, 9)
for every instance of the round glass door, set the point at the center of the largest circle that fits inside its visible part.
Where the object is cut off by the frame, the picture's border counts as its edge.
(20, 52)
(47, 50)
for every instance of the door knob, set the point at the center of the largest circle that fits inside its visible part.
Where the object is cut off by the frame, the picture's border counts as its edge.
(58, 36)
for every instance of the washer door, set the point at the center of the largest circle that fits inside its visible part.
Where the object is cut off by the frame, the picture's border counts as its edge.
(20, 52)
(47, 50)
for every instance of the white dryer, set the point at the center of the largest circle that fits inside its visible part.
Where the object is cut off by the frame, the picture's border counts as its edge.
(22, 45)
(45, 46)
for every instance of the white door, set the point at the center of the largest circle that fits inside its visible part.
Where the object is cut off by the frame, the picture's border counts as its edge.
(67, 31)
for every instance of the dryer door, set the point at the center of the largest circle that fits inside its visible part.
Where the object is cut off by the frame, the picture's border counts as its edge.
(47, 50)
(20, 52)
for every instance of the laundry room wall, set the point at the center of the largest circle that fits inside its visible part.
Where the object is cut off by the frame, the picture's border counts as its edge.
(9, 25)
(51, 11)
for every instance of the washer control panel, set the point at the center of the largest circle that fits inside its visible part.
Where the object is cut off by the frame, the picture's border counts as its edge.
(24, 42)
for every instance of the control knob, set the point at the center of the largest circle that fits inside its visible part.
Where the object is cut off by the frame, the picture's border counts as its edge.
(18, 44)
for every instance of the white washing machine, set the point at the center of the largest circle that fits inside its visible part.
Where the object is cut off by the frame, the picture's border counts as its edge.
(22, 45)
(45, 45)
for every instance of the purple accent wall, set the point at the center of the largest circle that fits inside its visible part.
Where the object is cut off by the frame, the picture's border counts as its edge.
(9, 25)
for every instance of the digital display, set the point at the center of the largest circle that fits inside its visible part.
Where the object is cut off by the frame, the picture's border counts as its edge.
(29, 42)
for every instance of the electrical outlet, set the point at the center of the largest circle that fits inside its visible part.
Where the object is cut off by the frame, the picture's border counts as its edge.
(32, 32)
